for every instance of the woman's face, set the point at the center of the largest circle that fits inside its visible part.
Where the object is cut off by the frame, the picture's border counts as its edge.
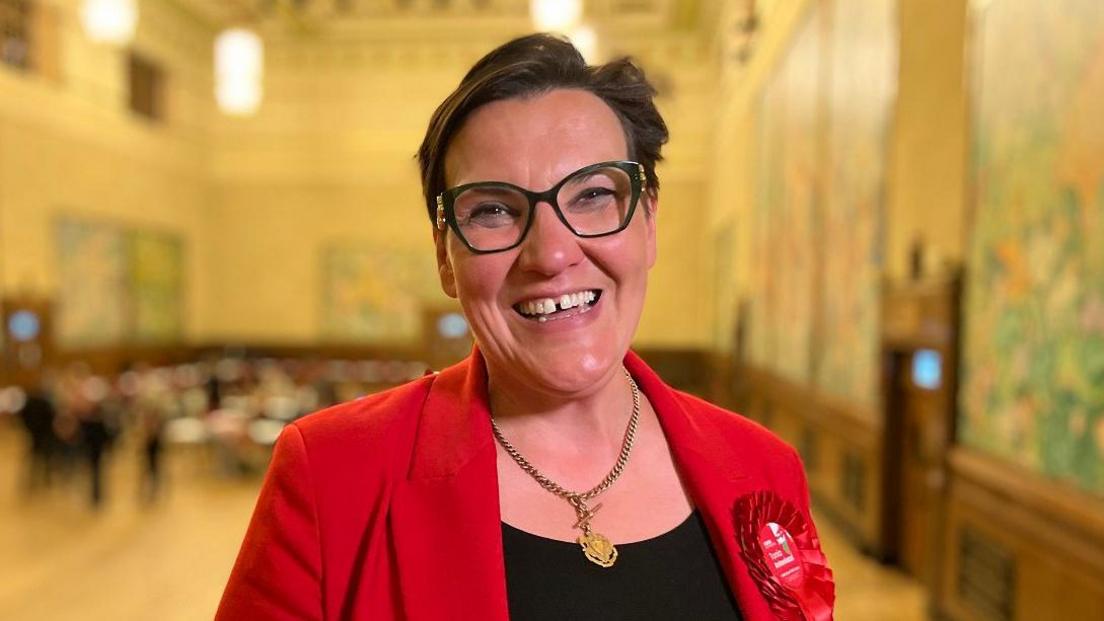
(534, 143)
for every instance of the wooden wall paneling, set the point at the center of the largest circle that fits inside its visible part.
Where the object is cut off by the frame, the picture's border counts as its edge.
(1051, 535)
(845, 469)
(853, 475)
(686, 369)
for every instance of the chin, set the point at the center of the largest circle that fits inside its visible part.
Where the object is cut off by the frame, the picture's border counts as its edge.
(574, 362)
(573, 373)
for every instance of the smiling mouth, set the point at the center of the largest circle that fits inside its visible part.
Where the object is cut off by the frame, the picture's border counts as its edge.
(562, 307)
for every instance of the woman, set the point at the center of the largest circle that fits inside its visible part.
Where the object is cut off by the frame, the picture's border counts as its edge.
(552, 474)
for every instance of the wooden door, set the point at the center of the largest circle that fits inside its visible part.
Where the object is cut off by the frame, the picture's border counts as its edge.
(915, 492)
(919, 381)
(28, 340)
(922, 404)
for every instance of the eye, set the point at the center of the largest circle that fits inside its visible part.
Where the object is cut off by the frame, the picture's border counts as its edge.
(593, 197)
(593, 193)
(491, 215)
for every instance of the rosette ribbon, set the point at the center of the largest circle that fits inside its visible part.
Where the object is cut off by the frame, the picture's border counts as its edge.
(783, 557)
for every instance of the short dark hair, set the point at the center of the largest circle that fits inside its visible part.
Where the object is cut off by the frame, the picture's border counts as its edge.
(532, 65)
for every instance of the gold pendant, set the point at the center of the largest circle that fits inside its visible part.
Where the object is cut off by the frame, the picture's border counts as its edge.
(598, 549)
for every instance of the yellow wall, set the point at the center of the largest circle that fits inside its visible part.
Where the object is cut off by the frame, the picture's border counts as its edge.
(928, 182)
(267, 240)
(69, 147)
(328, 159)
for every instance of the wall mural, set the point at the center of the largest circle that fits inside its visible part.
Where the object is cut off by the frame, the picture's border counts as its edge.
(783, 278)
(769, 189)
(818, 238)
(1033, 368)
(376, 292)
(117, 285)
(863, 55)
(92, 281)
(157, 282)
(793, 222)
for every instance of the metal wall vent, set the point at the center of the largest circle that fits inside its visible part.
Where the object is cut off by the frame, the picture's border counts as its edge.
(986, 576)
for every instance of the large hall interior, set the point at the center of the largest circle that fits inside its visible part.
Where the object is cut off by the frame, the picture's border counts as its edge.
(880, 235)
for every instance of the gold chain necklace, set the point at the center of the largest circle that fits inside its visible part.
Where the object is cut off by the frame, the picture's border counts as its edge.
(596, 547)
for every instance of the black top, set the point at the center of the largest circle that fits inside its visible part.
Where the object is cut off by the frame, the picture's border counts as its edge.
(673, 576)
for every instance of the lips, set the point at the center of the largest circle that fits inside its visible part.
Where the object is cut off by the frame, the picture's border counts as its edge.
(562, 305)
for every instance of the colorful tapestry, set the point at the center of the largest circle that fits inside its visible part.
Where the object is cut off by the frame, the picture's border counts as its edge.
(783, 306)
(156, 285)
(93, 283)
(117, 285)
(376, 293)
(863, 55)
(769, 188)
(1033, 368)
(794, 221)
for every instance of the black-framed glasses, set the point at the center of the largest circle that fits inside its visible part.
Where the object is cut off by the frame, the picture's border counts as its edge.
(493, 216)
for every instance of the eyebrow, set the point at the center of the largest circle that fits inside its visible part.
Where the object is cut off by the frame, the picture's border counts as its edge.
(494, 190)
(583, 177)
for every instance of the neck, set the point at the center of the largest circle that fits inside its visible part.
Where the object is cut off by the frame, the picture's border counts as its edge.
(530, 415)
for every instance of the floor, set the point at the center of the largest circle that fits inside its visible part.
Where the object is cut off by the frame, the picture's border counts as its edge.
(169, 560)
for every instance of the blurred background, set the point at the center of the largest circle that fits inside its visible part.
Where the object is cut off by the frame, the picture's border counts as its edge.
(881, 235)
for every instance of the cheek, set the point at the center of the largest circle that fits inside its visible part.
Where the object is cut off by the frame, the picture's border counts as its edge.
(479, 278)
(633, 257)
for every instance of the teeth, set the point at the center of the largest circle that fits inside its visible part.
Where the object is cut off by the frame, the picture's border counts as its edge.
(547, 306)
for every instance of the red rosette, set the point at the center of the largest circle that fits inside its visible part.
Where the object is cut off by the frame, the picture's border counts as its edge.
(783, 557)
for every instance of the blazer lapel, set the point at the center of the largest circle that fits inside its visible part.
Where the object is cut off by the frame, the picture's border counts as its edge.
(444, 519)
(712, 473)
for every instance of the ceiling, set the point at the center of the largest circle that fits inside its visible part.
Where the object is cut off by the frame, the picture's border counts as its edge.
(374, 14)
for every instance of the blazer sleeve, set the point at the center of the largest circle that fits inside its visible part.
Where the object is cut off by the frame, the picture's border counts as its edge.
(278, 571)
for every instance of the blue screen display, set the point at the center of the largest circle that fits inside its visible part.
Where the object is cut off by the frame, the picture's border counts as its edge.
(23, 326)
(452, 325)
(927, 369)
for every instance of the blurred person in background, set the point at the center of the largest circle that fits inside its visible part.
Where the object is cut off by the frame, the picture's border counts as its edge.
(83, 397)
(211, 384)
(503, 487)
(151, 406)
(38, 416)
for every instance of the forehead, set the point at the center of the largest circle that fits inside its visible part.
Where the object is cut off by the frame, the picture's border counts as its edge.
(534, 141)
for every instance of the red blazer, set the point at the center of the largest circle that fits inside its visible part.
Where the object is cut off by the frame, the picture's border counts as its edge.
(386, 507)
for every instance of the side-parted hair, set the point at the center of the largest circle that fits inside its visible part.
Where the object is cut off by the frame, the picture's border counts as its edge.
(533, 65)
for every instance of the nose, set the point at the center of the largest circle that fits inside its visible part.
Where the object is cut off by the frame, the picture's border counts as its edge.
(549, 247)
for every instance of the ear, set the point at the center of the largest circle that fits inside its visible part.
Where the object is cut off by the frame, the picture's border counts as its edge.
(444, 263)
(651, 212)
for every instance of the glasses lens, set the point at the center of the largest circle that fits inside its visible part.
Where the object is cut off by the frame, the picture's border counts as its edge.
(597, 201)
(492, 217)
